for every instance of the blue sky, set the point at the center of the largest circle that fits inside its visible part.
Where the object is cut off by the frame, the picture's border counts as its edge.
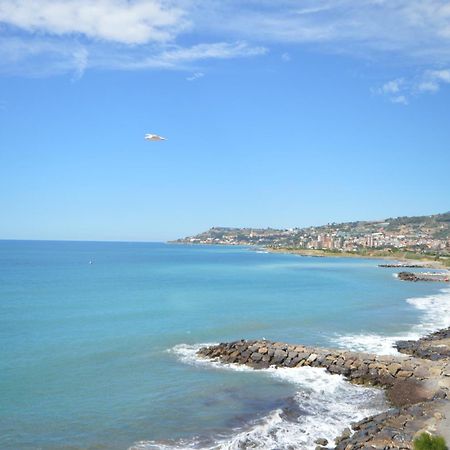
(287, 113)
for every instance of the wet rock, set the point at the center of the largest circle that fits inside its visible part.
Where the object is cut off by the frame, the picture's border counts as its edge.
(414, 385)
(345, 435)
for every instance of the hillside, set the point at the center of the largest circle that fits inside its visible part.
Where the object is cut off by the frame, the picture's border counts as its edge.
(426, 234)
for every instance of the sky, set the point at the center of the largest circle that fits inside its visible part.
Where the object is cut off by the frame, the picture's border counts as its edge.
(277, 114)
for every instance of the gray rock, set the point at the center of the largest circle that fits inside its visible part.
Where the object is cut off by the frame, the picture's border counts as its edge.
(256, 356)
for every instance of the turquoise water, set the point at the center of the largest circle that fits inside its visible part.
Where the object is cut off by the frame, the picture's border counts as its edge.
(100, 355)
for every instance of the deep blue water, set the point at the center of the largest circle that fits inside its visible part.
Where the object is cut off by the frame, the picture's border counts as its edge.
(100, 355)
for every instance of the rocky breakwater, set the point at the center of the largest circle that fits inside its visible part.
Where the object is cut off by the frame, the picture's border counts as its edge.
(402, 266)
(418, 389)
(434, 346)
(424, 276)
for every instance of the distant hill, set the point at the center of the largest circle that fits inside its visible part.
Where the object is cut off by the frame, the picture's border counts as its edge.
(418, 233)
(437, 225)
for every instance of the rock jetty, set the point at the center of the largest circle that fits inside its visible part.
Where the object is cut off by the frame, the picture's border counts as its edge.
(434, 346)
(424, 276)
(418, 388)
(402, 266)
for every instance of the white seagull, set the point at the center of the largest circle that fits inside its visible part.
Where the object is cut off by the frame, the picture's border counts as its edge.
(154, 137)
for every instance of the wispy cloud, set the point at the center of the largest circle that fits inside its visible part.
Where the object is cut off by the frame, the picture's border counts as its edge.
(433, 79)
(195, 76)
(77, 35)
(401, 90)
(80, 58)
(219, 50)
(400, 99)
(285, 57)
(393, 86)
(57, 36)
(178, 57)
(416, 29)
(43, 57)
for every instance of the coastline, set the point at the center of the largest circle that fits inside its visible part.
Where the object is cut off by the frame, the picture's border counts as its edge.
(426, 262)
(405, 257)
(417, 384)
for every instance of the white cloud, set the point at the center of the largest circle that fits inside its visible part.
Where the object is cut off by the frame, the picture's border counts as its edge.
(417, 30)
(286, 57)
(77, 35)
(401, 99)
(129, 22)
(80, 57)
(39, 57)
(177, 57)
(433, 79)
(394, 91)
(219, 50)
(428, 86)
(393, 86)
(401, 90)
(195, 76)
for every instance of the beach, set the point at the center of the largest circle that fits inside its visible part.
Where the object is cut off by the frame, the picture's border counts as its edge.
(425, 262)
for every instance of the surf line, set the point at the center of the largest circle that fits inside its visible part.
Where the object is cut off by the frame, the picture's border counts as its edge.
(417, 385)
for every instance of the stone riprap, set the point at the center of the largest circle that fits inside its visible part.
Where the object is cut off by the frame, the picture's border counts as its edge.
(424, 276)
(434, 346)
(393, 429)
(360, 368)
(416, 388)
(402, 266)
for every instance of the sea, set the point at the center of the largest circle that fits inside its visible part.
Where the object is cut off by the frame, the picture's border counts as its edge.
(98, 343)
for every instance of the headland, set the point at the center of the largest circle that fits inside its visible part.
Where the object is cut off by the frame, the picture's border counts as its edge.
(422, 238)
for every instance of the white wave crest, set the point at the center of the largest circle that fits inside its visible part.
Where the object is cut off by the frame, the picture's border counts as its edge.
(435, 312)
(188, 354)
(326, 403)
(323, 406)
(435, 315)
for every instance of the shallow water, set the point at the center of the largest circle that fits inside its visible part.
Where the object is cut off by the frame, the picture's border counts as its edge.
(101, 355)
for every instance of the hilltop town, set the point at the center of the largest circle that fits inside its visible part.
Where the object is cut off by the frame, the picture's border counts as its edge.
(423, 235)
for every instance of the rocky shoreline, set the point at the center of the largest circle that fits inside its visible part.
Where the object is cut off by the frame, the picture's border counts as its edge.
(424, 276)
(417, 384)
(434, 346)
(402, 266)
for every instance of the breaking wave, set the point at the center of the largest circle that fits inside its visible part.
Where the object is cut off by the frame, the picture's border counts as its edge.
(435, 315)
(324, 404)
(322, 407)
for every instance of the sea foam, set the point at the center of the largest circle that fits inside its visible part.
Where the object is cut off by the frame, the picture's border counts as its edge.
(322, 407)
(435, 315)
(324, 404)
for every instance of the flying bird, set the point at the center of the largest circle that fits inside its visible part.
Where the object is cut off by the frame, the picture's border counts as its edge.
(154, 137)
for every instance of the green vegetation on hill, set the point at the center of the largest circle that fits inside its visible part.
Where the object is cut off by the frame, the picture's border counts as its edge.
(420, 237)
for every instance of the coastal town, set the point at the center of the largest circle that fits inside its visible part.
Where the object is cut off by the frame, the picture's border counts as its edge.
(429, 235)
